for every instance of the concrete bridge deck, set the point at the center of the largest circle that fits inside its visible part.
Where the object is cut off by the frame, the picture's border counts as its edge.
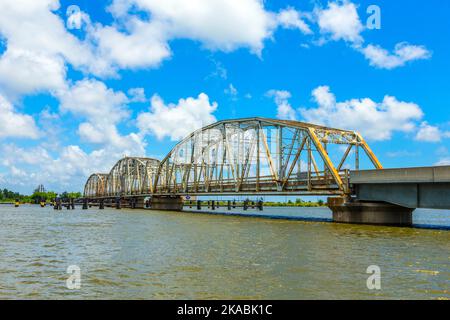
(402, 175)
(422, 187)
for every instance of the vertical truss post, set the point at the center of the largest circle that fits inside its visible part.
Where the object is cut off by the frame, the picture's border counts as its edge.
(258, 156)
(309, 163)
(280, 152)
(269, 158)
(357, 157)
(325, 171)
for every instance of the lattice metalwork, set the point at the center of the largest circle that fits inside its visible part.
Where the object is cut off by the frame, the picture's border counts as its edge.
(96, 185)
(247, 156)
(132, 176)
(262, 156)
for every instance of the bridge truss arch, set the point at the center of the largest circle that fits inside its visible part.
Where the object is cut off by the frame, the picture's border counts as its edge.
(262, 156)
(96, 185)
(243, 156)
(132, 176)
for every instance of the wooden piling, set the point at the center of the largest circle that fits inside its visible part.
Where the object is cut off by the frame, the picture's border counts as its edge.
(85, 204)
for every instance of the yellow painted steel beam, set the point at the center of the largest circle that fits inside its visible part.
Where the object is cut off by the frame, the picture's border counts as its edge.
(369, 152)
(326, 158)
(349, 148)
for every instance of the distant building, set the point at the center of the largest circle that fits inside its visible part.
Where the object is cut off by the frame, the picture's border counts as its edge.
(40, 188)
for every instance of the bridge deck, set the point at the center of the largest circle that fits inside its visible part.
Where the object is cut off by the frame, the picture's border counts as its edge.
(426, 187)
(402, 175)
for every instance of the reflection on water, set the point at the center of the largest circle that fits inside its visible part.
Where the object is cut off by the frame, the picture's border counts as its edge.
(131, 254)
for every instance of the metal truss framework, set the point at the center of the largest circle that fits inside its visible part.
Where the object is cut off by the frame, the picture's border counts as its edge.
(246, 156)
(129, 176)
(95, 185)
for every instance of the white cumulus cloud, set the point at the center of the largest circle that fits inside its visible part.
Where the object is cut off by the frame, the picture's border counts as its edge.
(103, 108)
(66, 171)
(177, 120)
(144, 45)
(24, 72)
(95, 101)
(284, 109)
(13, 124)
(224, 25)
(37, 47)
(428, 133)
(290, 18)
(340, 21)
(403, 53)
(374, 120)
(219, 24)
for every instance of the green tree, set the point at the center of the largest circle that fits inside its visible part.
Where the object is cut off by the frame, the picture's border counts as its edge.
(43, 196)
(74, 195)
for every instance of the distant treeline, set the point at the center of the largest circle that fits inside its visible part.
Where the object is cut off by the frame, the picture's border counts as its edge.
(297, 203)
(11, 196)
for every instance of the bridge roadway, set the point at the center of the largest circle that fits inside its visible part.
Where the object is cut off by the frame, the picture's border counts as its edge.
(389, 196)
(422, 187)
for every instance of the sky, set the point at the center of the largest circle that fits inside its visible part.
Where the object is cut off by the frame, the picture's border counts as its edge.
(84, 83)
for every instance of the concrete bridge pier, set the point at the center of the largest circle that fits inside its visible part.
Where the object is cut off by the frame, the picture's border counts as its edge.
(378, 213)
(169, 203)
(139, 202)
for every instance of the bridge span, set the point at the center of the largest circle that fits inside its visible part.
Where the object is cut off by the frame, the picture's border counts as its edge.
(259, 156)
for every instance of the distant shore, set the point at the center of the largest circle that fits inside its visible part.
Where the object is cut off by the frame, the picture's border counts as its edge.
(278, 204)
(266, 204)
(287, 204)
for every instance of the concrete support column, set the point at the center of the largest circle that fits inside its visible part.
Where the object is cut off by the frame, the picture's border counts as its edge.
(171, 203)
(140, 203)
(118, 203)
(85, 204)
(378, 213)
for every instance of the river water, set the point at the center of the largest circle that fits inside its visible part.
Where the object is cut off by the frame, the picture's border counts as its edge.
(142, 254)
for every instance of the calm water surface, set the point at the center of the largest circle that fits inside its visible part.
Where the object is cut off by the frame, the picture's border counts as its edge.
(139, 254)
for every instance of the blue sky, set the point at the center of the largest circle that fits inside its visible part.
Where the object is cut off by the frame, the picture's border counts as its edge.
(82, 86)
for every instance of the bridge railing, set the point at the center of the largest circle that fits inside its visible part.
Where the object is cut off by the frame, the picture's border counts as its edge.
(320, 182)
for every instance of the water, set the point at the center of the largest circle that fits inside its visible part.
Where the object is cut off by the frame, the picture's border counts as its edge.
(139, 254)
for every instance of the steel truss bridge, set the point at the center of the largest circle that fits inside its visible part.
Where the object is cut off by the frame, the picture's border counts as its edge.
(252, 156)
